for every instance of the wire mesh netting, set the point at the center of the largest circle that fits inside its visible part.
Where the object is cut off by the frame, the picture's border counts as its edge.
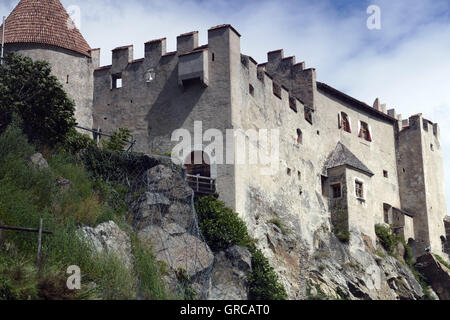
(161, 212)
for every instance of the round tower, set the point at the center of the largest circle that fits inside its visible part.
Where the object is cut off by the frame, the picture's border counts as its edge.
(43, 30)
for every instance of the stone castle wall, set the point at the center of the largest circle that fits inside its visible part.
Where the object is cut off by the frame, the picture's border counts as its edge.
(73, 70)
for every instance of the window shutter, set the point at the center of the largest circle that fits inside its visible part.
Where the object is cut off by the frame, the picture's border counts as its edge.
(339, 121)
(349, 124)
(369, 133)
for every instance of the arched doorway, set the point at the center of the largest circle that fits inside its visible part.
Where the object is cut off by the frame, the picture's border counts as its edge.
(198, 173)
(198, 164)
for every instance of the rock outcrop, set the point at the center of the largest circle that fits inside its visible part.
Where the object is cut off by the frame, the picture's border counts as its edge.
(163, 216)
(229, 274)
(108, 238)
(39, 161)
(436, 273)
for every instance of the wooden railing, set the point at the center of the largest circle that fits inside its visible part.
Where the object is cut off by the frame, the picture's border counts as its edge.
(201, 185)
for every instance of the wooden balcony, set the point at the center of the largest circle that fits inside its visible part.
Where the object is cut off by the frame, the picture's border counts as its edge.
(202, 186)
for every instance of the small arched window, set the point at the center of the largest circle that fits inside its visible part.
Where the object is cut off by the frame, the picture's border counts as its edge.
(299, 136)
(344, 122)
(364, 131)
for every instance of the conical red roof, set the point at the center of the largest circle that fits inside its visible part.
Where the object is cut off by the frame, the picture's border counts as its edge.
(44, 22)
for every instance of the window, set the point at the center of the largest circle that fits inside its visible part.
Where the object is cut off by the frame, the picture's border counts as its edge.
(344, 122)
(386, 209)
(359, 189)
(431, 147)
(299, 136)
(385, 174)
(276, 89)
(251, 90)
(308, 115)
(213, 57)
(288, 171)
(299, 174)
(117, 81)
(364, 131)
(150, 75)
(336, 191)
(67, 79)
(293, 104)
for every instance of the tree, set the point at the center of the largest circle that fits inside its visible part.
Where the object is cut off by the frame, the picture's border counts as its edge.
(118, 140)
(28, 89)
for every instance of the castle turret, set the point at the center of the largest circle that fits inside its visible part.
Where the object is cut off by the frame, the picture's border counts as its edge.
(43, 30)
(421, 181)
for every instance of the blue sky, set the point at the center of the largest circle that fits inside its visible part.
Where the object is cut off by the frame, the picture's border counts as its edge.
(406, 63)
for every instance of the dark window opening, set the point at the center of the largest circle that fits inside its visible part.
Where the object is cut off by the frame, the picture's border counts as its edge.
(308, 115)
(67, 80)
(276, 90)
(251, 90)
(323, 181)
(198, 164)
(318, 132)
(404, 170)
(386, 209)
(431, 147)
(359, 189)
(293, 104)
(385, 174)
(289, 171)
(364, 131)
(336, 190)
(299, 136)
(213, 57)
(299, 174)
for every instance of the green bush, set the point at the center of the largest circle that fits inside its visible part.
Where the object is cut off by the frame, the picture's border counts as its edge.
(18, 278)
(339, 221)
(28, 89)
(113, 166)
(220, 225)
(118, 140)
(263, 281)
(74, 142)
(387, 239)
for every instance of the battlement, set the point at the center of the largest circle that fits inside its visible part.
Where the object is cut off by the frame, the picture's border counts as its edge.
(270, 86)
(300, 81)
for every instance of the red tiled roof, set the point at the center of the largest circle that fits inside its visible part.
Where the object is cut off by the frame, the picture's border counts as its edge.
(44, 22)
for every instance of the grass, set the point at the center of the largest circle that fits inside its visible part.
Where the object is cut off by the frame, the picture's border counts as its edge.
(441, 260)
(280, 224)
(28, 194)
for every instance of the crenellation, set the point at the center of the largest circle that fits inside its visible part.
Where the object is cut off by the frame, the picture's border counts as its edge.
(187, 42)
(154, 50)
(398, 161)
(274, 57)
(392, 113)
(121, 57)
(436, 130)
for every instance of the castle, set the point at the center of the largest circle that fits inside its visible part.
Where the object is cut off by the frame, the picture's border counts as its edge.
(334, 152)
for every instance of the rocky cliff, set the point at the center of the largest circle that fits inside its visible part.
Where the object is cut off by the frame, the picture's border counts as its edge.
(162, 214)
